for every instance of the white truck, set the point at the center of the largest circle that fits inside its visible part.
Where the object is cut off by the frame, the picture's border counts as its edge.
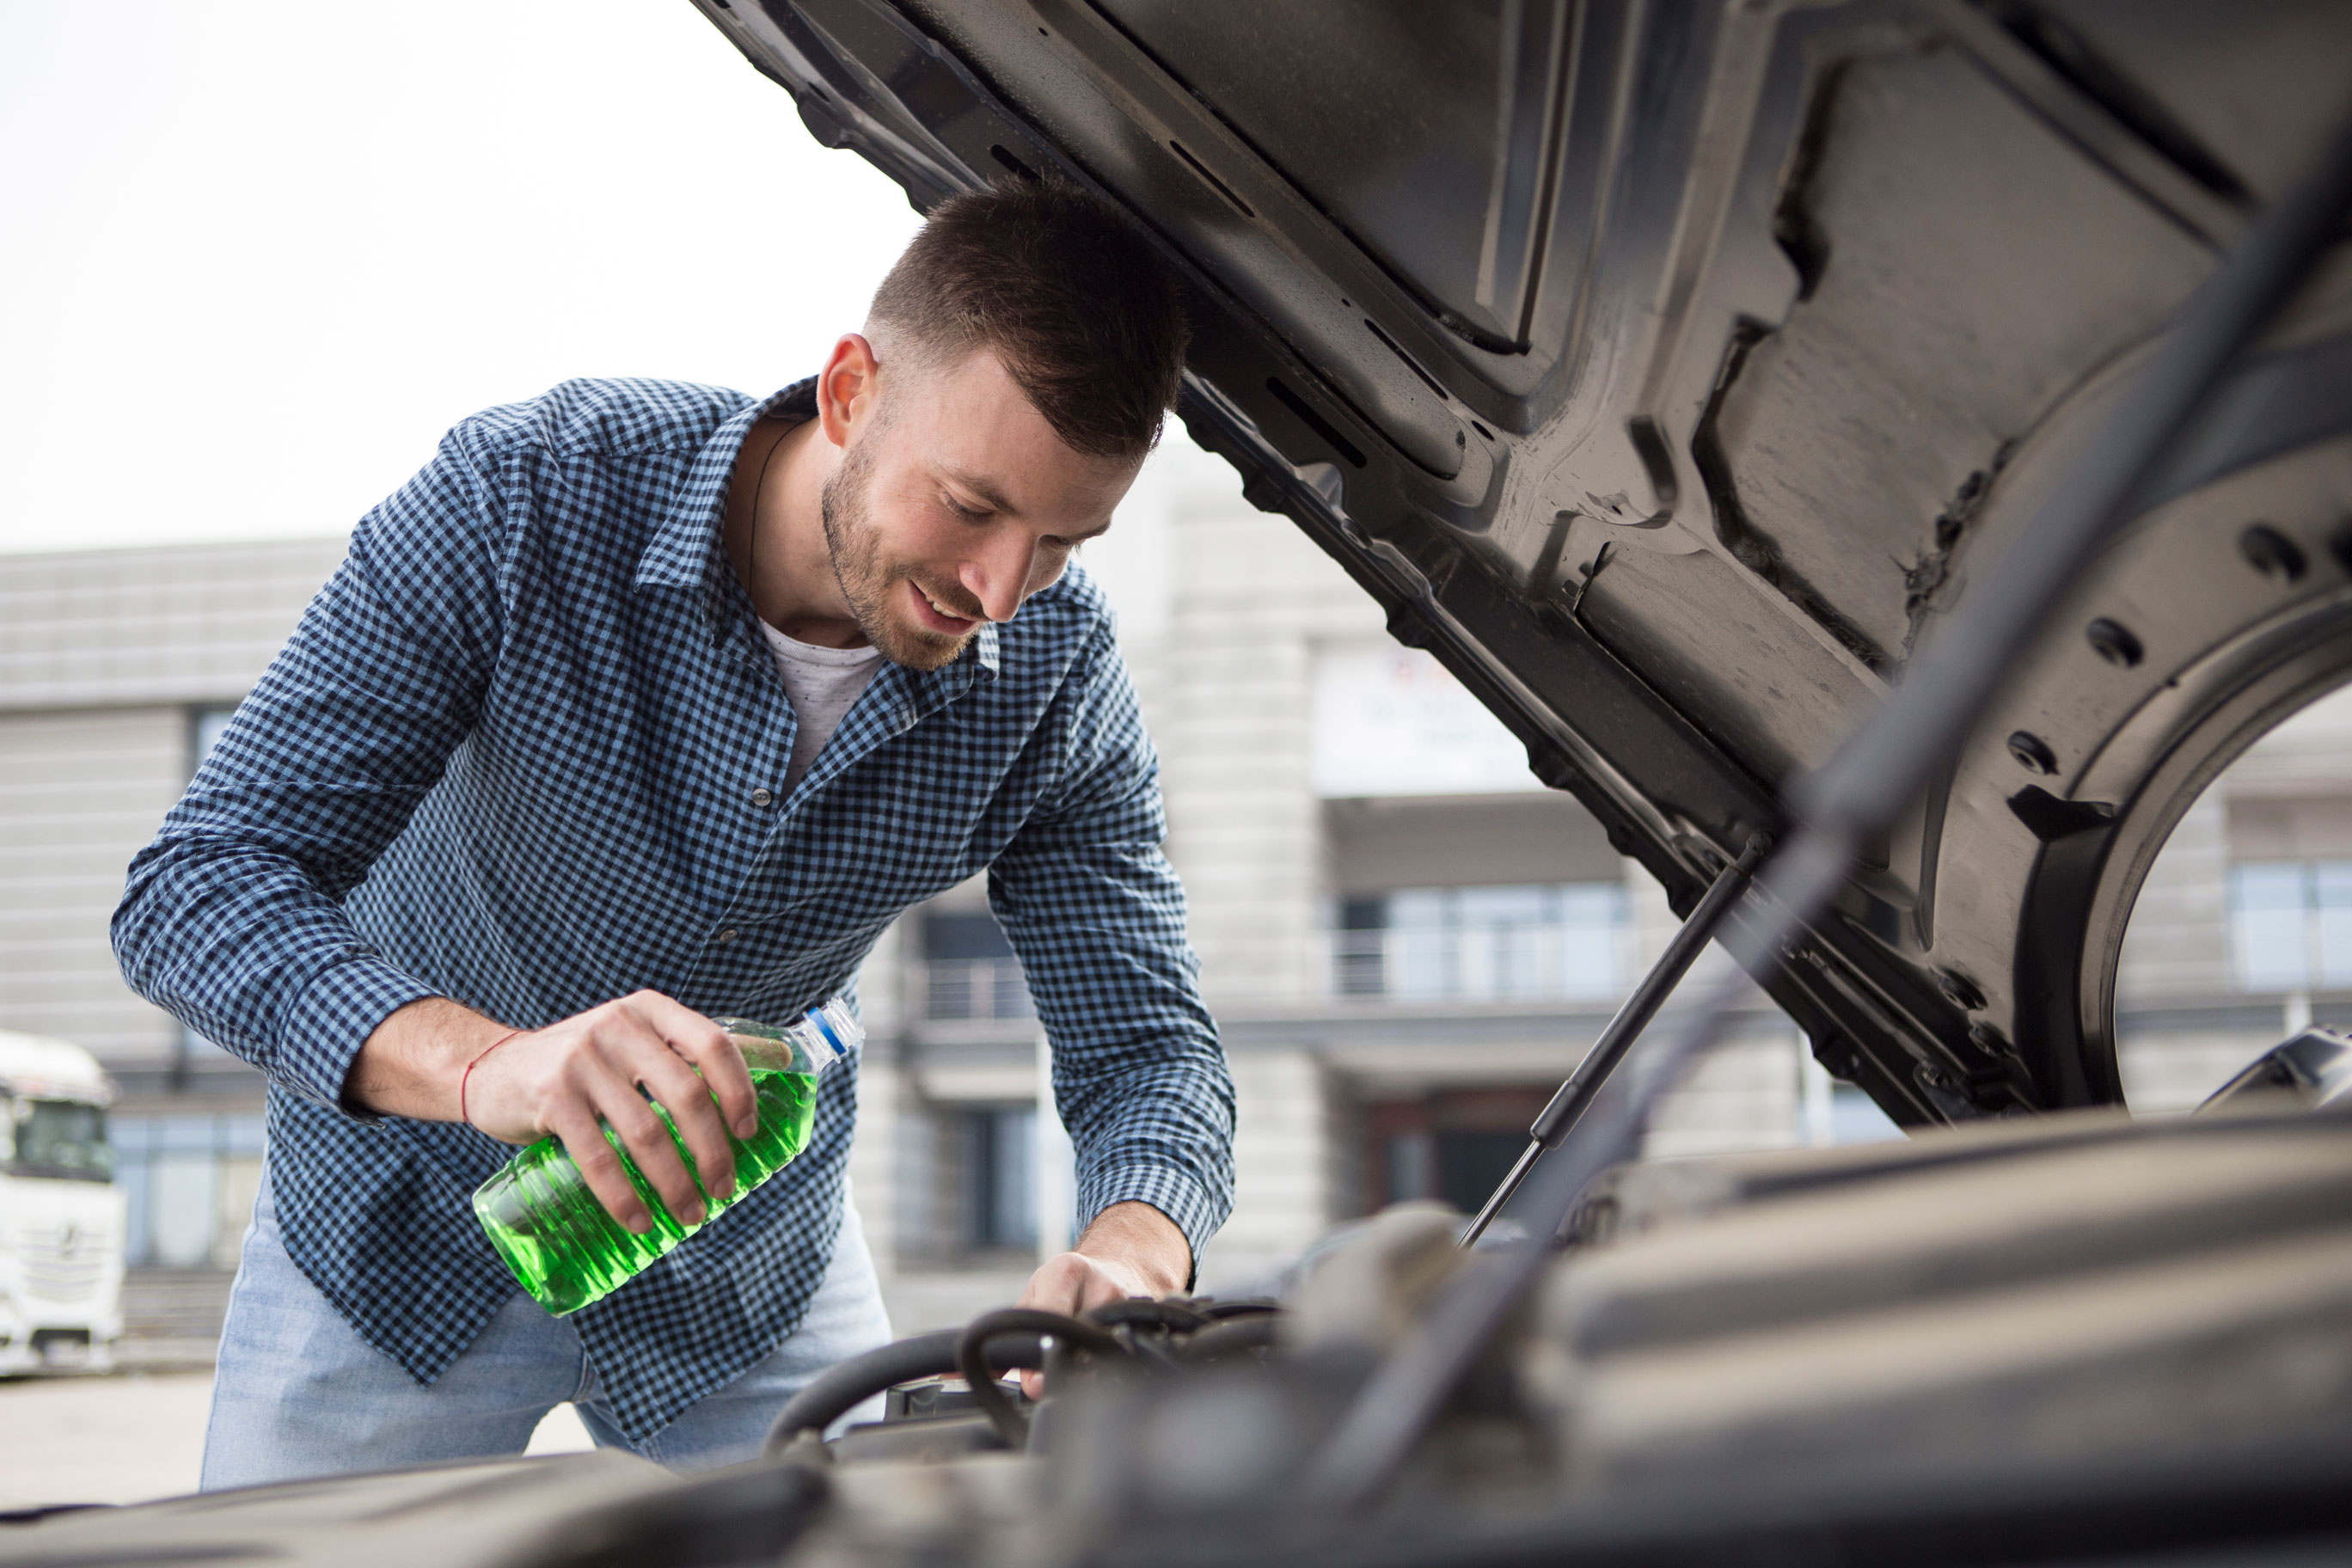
(61, 1216)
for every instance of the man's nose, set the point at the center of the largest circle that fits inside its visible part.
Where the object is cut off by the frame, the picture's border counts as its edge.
(998, 575)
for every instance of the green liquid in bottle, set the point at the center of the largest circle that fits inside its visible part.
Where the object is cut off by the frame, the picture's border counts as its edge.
(543, 1220)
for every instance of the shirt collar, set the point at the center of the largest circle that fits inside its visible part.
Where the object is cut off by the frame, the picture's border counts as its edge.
(684, 552)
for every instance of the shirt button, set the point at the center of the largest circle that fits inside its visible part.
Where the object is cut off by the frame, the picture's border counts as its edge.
(727, 935)
(760, 797)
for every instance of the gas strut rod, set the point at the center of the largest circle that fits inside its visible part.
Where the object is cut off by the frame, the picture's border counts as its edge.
(1560, 1117)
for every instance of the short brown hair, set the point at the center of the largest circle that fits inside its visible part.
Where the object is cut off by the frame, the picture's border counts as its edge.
(1070, 295)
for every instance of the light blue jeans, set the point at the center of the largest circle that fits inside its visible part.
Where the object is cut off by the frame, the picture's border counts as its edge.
(298, 1394)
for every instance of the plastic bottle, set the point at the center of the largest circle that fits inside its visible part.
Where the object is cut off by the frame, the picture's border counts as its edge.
(543, 1219)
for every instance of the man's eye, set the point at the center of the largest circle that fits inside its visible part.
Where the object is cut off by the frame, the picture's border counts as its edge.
(963, 511)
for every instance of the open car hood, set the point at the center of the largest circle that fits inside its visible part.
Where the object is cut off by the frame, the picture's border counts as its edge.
(1670, 371)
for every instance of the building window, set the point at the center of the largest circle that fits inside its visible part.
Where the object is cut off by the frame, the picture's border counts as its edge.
(968, 970)
(1000, 1176)
(1556, 942)
(1451, 1145)
(2290, 924)
(188, 1184)
(204, 727)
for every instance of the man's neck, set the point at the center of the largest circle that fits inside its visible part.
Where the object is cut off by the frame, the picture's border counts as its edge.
(776, 534)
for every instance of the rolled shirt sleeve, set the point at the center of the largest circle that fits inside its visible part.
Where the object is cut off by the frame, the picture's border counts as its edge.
(232, 918)
(1096, 915)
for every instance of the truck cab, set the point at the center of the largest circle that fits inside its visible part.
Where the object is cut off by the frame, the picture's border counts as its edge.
(61, 1216)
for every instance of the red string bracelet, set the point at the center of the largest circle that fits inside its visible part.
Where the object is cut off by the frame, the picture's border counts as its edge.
(465, 1077)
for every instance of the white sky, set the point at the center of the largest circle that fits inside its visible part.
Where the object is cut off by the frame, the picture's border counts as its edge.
(261, 254)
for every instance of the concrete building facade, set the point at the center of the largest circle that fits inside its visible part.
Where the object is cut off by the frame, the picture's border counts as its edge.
(1406, 942)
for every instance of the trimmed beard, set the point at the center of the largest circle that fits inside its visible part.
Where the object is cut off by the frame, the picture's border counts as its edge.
(867, 582)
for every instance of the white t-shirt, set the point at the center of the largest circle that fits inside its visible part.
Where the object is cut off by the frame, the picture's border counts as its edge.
(824, 684)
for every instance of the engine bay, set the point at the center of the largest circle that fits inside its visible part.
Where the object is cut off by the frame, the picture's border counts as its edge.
(2070, 1338)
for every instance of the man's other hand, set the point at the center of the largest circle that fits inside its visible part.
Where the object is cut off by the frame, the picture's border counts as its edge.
(568, 1078)
(1130, 1249)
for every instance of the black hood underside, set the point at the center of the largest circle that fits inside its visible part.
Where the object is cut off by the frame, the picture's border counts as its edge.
(1670, 371)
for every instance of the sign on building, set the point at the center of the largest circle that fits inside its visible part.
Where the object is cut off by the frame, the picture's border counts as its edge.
(1390, 720)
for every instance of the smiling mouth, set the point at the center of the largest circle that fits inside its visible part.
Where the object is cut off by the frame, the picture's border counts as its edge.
(939, 618)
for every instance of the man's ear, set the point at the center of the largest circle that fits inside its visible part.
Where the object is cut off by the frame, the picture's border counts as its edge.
(846, 388)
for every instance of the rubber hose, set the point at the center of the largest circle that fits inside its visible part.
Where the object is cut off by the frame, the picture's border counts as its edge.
(975, 1359)
(840, 1389)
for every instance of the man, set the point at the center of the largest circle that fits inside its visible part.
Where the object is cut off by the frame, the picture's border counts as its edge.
(645, 703)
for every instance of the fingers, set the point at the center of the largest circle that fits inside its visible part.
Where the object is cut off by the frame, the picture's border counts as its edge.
(1072, 1284)
(1057, 1286)
(562, 1079)
(627, 1051)
(713, 1052)
(646, 1138)
(583, 1139)
(681, 1094)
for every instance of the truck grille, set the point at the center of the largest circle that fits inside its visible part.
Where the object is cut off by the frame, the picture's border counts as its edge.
(60, 1269)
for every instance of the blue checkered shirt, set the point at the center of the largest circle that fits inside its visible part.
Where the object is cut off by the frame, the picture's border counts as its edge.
(517, 753)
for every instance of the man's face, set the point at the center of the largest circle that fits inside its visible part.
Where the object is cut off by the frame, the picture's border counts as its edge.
(953, 505)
